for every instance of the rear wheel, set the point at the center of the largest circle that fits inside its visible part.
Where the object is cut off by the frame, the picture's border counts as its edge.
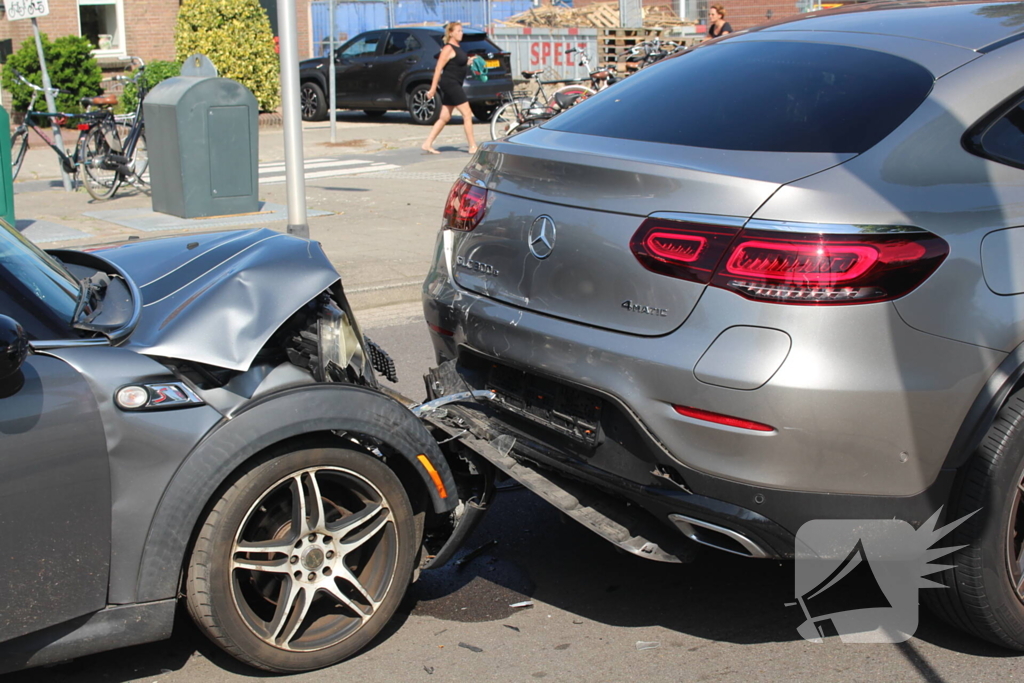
(312, 102)
(139, 162)
(984, 592)
(303, 560)
(424, 110)
(483, 112)
(19, 145)
(99, 173)
(506, 119)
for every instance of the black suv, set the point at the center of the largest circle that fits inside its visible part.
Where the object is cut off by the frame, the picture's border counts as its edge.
(392, 69)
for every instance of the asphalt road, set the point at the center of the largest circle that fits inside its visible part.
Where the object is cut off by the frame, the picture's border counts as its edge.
(721, 618)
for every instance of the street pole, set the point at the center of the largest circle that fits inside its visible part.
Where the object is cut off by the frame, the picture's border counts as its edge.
(51, 106)
(291, 114)
(332, 85)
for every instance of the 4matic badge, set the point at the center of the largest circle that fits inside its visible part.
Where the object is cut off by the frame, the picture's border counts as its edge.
(646, 310)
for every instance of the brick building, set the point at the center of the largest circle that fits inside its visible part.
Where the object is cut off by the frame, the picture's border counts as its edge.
(120, 28)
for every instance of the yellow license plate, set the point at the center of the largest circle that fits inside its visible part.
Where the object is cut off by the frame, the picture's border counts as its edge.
(493, 63)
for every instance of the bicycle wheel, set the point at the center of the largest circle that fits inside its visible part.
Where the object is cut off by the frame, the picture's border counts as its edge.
(19, 145)
(506, 118)
(139, 163)
(99, 172)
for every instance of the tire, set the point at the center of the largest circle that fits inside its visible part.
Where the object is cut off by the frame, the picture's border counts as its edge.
(422, 110)
(483, 112)
(362, 533)
(312, 102)
(19, 145)
(504, 120)
(139, 162)
(100, 179)
(982, 594)
(375, 113)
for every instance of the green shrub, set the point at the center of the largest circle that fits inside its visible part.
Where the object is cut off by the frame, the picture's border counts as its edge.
(155, 72)
(236, 36)
(71, 66)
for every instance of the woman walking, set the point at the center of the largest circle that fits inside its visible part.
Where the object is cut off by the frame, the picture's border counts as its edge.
(449, 75)
(717, 25)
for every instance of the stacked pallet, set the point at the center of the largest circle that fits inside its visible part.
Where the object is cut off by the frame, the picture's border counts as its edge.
(613, 43)
(597, 15)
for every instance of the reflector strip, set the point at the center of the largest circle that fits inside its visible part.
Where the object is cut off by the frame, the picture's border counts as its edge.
(718, 418)
(440, 330)
(438, 484)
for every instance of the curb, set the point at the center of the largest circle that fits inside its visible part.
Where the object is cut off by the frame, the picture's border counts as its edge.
(272, 119)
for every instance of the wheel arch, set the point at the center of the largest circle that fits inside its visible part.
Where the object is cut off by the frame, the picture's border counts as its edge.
(278, 418)
(1006, 381)
(313, 77)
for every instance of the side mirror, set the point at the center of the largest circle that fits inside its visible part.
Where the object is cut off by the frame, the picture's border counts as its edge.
(14, 347)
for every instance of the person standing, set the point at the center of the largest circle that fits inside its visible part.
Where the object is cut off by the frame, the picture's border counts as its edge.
(449, 74)
(717, 25)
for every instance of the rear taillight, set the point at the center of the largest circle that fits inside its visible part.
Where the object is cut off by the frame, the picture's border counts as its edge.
(689, 251)
(465, 206)
(794, 267)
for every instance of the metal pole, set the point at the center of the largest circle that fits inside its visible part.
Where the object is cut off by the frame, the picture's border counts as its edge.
(51, 106)
(332, 84)
(291, 113)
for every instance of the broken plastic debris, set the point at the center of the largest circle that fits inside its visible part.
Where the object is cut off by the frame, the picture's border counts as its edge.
(646, 645)
(577, 621)
(471, 648)
(429, 669)
(472, 554)
(514, 628)
(523, 604)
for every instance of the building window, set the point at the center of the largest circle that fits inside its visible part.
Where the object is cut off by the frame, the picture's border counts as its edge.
(102, 22)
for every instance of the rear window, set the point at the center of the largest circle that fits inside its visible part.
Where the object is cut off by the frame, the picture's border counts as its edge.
(759, 96)
(473, 43)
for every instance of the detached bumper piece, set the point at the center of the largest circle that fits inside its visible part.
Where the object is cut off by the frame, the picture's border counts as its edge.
(381, 361)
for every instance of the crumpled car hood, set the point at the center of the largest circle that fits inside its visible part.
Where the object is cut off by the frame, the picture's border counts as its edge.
(217, 298)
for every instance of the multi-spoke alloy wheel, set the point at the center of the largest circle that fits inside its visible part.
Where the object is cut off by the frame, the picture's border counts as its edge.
(304, 559)
(424, 110)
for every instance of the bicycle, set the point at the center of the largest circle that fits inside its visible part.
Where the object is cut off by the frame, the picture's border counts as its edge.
(19, 138)
(113, 151)
(520, 112)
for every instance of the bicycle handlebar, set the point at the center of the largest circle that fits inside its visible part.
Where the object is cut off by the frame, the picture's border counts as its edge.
(20, 77)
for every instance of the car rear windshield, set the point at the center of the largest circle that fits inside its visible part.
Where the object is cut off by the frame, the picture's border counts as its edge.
(473, 44)
(759, 96)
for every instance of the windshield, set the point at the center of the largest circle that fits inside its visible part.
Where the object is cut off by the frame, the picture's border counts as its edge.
(34, 283)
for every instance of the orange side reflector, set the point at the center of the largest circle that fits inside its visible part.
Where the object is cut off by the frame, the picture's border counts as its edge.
(438, 484)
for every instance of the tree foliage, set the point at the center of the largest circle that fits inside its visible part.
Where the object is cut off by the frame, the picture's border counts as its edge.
(155, 72)
(236, 36)
(71, 67)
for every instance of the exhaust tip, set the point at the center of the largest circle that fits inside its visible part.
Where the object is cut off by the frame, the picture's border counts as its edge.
(718, 537)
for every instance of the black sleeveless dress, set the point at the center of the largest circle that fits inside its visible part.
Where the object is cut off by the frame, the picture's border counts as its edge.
(452, 76)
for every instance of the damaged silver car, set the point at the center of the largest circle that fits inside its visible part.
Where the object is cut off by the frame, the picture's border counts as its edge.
(198, 417)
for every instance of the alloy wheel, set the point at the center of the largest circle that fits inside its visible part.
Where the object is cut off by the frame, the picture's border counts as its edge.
(309, 101)
(313, 559)
(422, 107)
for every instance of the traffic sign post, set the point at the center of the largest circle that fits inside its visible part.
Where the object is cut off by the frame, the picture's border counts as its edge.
(33, 9)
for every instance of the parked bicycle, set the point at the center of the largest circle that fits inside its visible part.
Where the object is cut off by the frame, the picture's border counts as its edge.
(19, 138)
(520, 112)
(114, 150)
(651, 51)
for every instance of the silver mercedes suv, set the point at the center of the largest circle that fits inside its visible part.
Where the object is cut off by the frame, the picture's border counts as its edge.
(773, 279)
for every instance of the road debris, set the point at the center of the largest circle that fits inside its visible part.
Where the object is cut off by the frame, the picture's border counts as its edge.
(522, 605)
(473, 554)
(471, 648)
(514, 628)
(429, 670)
(647, 645)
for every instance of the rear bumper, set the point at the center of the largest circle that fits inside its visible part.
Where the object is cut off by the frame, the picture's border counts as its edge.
(864, 408)
(488, 92)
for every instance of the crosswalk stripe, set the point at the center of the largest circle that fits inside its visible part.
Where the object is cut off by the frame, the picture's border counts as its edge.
(380, 166)
(319, 164)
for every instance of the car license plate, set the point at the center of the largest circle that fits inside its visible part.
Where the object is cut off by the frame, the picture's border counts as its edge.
(493, 63)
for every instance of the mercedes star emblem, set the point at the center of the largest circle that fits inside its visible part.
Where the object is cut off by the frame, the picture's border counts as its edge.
(542, 237)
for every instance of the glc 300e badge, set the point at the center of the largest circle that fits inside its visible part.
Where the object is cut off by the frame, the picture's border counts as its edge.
(542, 237)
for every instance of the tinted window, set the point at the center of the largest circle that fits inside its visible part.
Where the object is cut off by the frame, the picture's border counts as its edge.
(759, 96)
(473, 43)
(399, 42)
(35, 289)
(366, 45)
(1004, 140)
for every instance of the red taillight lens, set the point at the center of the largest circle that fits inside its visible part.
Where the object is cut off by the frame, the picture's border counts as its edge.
(791, 267)
(829, 269)
(465, 206)
(685, 250)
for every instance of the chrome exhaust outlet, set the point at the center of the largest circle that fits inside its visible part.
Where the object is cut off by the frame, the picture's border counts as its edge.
(718, 537)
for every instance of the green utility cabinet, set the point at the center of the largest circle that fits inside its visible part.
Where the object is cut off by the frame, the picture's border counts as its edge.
(6, 181)
(203, 141)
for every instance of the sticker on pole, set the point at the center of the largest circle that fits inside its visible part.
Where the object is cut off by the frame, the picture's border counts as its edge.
(26, 9)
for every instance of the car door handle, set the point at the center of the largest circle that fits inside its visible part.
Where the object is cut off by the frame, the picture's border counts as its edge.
(411, 60)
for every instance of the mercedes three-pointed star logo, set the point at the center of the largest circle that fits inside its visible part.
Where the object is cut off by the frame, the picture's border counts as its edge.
(542, 237)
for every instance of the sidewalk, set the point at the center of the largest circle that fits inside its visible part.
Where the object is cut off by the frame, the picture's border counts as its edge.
(374, 201)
